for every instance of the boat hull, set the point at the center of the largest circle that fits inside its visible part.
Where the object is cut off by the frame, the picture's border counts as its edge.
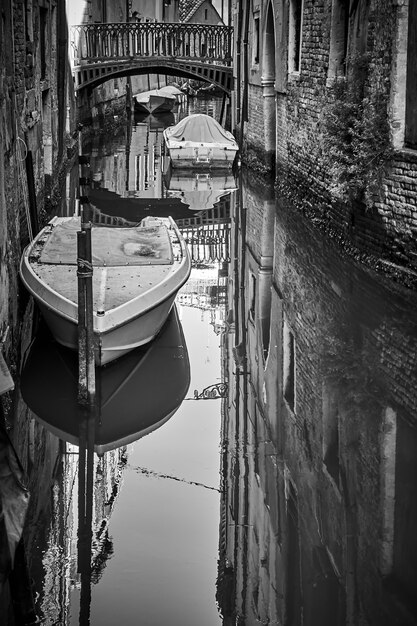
(118, 326)
(202, 157)
(156, 104)
(200, 142)
(161, 100)
(115, 343)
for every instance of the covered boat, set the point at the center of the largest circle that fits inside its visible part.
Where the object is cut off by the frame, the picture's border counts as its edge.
(137, 272)
(199, 190)
(161, 100)
(200, 141)
(129, 401)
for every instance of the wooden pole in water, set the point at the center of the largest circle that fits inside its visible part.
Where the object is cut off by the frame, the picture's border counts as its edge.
(82, 322)
(90, 352)
(86, 357)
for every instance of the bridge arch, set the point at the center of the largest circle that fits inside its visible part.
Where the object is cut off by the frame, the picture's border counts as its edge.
(91, 76)
(109, 50)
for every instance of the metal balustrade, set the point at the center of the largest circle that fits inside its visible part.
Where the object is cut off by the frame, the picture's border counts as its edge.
(194, 50)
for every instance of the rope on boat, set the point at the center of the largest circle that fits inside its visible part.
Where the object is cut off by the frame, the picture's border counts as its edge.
(84, 268)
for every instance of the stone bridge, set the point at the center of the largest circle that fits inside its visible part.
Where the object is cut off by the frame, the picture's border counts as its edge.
(100, 52)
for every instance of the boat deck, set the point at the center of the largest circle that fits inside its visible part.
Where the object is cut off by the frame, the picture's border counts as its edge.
(127, 262)
(112, 286)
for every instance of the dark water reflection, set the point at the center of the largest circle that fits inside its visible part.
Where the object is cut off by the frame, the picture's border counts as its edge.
(130, 535)
(49, 386)
(320, 441)
(317, 499)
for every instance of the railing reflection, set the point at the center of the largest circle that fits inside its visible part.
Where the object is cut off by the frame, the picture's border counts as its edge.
(212, 392)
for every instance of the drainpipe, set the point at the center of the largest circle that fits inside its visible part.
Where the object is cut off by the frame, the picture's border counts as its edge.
(245, 68)
(238, 60)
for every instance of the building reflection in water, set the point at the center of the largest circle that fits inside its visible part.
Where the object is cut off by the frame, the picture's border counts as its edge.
(129, 406)
(130, 177)
(319, 434)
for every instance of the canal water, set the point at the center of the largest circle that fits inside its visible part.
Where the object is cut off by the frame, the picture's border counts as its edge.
(282, 489)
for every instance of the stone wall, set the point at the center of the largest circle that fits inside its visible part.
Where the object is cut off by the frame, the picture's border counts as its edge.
(375, 215)
(35, 92)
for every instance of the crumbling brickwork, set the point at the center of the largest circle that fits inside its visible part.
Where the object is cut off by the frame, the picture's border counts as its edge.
(357, 178)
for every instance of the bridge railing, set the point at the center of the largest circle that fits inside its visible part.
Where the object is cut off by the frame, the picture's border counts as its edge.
(97, 42)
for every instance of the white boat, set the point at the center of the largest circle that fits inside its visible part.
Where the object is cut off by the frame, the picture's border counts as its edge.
(161, 100)
(199, 190)
(137, 273)
(135, 395)
(200, 141)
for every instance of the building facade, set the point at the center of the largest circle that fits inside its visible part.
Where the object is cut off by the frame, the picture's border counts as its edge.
(325, 101)
(37, 135)
(319, 431)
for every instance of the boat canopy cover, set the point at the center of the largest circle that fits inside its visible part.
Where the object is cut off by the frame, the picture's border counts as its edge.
(169, 91)
(141, 245)
(200, 128)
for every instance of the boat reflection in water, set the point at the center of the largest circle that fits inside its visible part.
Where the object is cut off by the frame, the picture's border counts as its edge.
(200, 190)
(156, 122)
(134, 396)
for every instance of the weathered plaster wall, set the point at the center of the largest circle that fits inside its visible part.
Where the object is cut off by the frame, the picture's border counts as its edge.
(35, 89)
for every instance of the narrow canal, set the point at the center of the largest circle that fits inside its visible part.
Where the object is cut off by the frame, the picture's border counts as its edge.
(288, 500)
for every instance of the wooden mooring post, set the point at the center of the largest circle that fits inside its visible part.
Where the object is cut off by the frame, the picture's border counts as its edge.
(88, 413)
(86, 356)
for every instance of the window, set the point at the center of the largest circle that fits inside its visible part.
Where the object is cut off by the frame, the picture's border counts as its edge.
(289, 367)
(255, 51)
(400, 545)
(293, 560)
(47, 131)
(339, 35)
(252, 297)
(295, 35)
(206, 14)
(330, 425)
(43, 18)
(411, 83)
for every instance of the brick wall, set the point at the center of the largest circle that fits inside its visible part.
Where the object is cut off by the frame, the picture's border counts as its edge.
(379, 228)
(254, 152)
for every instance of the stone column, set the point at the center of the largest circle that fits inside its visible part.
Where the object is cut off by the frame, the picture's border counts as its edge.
(268, 94)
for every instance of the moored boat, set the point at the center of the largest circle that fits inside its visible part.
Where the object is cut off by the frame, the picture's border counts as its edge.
(199, 190)
(137, 272)
(129, 403)
(199, 141)
(161, 100)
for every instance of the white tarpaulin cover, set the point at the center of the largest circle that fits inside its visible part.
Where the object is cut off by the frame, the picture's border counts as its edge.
(200, 128)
